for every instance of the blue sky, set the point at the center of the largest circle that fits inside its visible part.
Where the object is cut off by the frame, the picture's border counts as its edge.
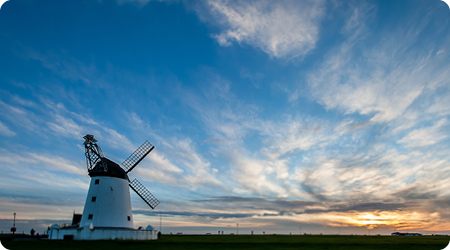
(282, 116)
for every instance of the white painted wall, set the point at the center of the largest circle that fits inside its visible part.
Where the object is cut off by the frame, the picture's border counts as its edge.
(112, 205)
(57, 233)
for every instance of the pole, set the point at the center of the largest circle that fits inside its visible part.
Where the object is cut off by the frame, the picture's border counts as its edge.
(14, 229)
(237, 228)
(160, 221)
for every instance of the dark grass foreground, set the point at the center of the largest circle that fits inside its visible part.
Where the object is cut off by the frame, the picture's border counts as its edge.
(236, 242)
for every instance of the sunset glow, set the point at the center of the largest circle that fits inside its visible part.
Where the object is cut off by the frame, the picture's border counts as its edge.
(283, 116)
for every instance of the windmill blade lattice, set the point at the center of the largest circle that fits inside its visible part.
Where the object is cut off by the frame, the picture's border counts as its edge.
(137, 156)
(144, 193)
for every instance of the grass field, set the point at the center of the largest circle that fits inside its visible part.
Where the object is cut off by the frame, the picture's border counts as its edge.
(236, 242)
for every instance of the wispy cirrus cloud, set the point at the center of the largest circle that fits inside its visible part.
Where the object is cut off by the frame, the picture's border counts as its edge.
(425, 136)
(20, 116)
(176, 160)
(48, 162)
(161, 170)
(65, 66)
(258, 168)
(382, 81)
(285, 29)
(292, 135)
(200, 171)
(179, 164)
(4, 130)
(66, 126)
(398, 86)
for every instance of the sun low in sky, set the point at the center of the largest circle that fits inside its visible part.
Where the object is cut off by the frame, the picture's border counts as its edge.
(307, 116)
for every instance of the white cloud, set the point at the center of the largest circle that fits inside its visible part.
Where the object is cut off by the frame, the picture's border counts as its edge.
(20, 116)
(66, 126)
(252, 175)
(44, 174)
(161, 170)
(4, 130)
(158, 174)
(23, 102)
(45, 162)
(383, 94)
(347, 179)
(11, 158)
(200, 170)
(191, 171)
(440, 106)
(279, 28)
(264, 168)
(163, 163)
(380, 81)
(292, 135)
(58, 163)
(117, 140)
(425, 136)
(177, 163)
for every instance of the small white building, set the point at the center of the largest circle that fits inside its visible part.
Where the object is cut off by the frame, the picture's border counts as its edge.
(91, 233)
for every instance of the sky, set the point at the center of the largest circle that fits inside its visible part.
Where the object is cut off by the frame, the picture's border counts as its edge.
(309, 116)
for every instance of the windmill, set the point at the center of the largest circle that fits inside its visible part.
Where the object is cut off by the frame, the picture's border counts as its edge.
(108, 203)
(107, 212)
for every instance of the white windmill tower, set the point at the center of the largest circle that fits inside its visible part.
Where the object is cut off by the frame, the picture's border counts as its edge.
(107, 212)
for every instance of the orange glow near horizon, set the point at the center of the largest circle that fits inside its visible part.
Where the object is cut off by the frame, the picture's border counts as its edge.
(400, 220)
(396, 220)
(371, 220)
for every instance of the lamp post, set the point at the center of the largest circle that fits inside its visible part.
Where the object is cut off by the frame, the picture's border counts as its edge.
(14, 229)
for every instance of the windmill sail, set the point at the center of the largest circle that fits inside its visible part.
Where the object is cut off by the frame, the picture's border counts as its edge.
(144, 193)
(137, 156)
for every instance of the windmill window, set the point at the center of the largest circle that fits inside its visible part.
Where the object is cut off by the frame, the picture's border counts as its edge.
(97, 182)
(90, 216)
(94, 199)
(129, 218)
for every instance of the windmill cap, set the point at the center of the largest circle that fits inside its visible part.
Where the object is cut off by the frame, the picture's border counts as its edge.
(113, 170)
